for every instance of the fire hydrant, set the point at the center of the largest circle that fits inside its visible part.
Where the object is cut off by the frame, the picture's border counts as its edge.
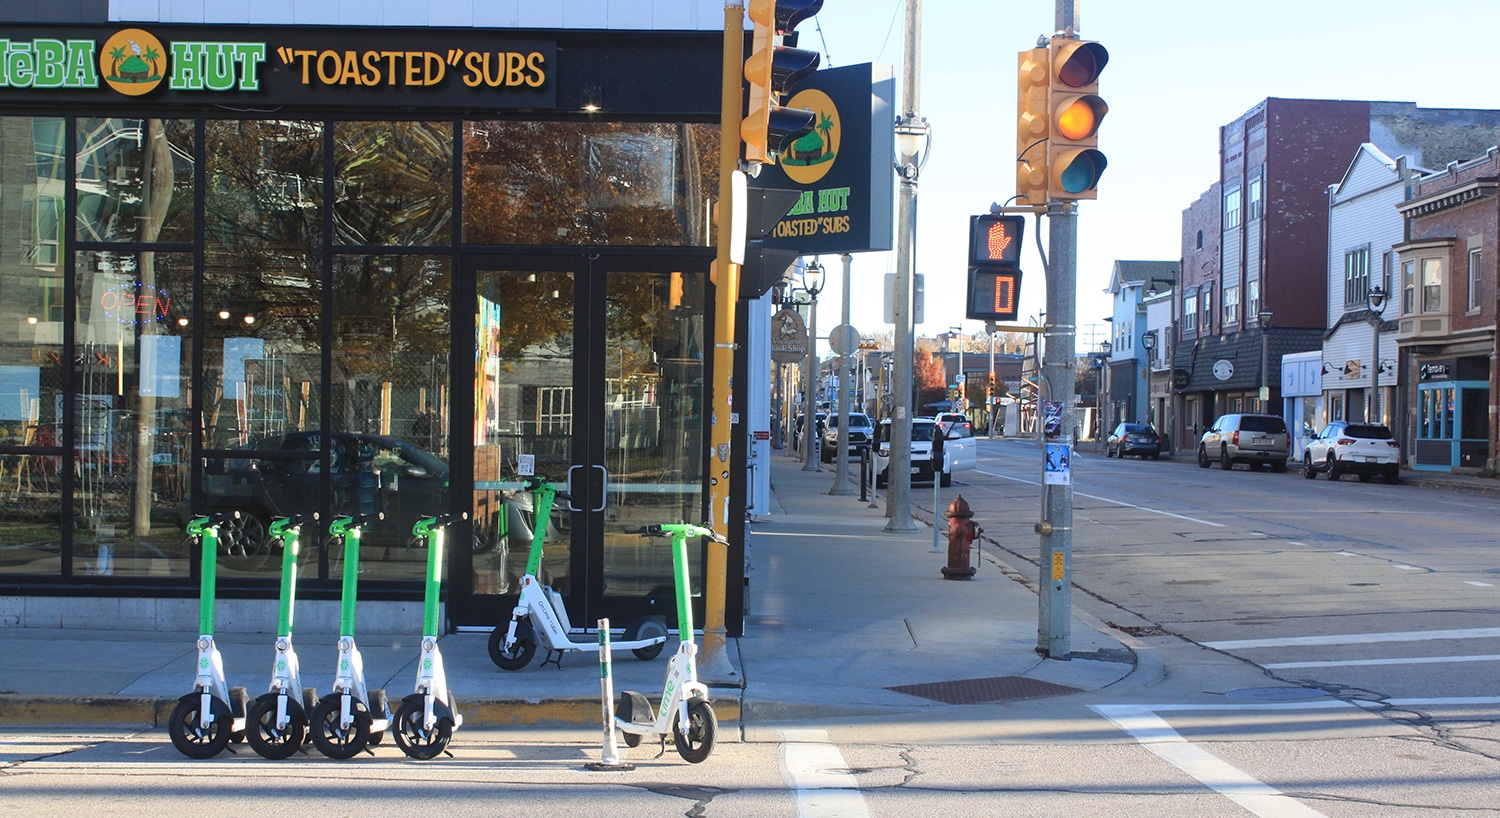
(961, 534)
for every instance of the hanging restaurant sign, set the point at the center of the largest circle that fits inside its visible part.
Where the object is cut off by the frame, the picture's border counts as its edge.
(277, 66)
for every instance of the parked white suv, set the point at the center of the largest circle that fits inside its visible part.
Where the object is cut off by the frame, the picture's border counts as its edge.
(861, 433)
(958, 452)
(1365, 449)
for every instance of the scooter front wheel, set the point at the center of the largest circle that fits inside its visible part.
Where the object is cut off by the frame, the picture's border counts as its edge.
(416, 741)
(518, 656)
(261, 732)
(329, 735)
(703, 729)
(193, 740)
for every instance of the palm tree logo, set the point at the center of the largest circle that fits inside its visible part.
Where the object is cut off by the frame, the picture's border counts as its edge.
(132, 62)
(814, 154)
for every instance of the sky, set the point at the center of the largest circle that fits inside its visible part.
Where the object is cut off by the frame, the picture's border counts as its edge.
(1178, 71)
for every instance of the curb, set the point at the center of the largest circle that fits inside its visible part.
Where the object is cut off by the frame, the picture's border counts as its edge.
(154, 713)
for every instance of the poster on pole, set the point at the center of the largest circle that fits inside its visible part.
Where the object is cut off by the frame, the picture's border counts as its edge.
(1059, 468)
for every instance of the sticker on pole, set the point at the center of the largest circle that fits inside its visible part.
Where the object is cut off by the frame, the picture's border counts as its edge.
(1059, 468)
(526, 465)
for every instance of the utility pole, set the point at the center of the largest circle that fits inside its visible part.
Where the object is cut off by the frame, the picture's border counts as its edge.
(714, 662)
(841, 474)
(1054, 617)
(911, 134)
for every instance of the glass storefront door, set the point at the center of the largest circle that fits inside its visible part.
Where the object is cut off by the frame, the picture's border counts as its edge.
(592, 369)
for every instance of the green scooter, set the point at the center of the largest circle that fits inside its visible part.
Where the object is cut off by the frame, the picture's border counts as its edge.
(351, 717)
(276, 722)
(207, 719)
(426, 719)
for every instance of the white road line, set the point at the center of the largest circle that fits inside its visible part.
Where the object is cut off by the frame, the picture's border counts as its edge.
(1153, 733)
(1480, 584)
(1108, 500)
(1408, 567)
(817, 772)
(1421, 660)
(1294, 542)
(1355, 638)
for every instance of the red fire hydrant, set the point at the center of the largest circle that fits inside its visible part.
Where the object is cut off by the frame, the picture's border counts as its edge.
(961, 534)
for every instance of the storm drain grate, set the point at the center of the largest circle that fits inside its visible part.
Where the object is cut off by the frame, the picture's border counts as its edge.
(979, 691)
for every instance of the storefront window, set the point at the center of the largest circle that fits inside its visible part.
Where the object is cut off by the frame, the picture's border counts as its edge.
(32, 186)
(389, 397)
(135, 180)
(618, 183)
(262, 329)
(395, 183)
(131, 424)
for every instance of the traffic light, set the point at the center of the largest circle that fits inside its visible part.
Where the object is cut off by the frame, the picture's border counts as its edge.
(1032, 121)
(772, 67)
(995, 267)
(1074, 163)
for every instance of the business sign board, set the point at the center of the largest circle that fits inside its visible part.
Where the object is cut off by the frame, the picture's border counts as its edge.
(842, 167)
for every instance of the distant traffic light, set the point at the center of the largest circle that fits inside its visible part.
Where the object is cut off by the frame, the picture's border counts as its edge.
(1074, 163)
(1033, 118)
(772, 67)
(995, 267)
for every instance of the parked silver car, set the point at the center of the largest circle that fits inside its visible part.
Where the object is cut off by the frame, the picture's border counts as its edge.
(1256, 440)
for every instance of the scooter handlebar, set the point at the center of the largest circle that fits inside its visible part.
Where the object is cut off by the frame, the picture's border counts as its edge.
(669, 529)
(341, 525)
(426, 524)
(533, 482)
(292, 523)
(196, 526)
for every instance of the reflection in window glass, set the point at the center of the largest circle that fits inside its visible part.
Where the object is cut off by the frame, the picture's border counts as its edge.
(31, 353)
(135, 180)
(389, 397)
(395, 183)
(131, 424)
(591, 183)
(261, 312)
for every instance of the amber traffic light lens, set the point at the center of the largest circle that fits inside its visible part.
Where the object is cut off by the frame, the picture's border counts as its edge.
(1077, 121)
(1081, 69)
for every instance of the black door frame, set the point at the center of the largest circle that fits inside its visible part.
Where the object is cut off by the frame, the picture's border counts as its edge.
(591, 267)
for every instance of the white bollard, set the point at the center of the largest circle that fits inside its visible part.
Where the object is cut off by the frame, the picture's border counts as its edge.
(611, 756)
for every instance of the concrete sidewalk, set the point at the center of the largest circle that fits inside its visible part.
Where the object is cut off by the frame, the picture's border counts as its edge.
(839, 612)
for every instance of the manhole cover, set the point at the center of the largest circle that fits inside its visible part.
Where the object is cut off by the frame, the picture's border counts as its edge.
(1276, 694)
(979, 691)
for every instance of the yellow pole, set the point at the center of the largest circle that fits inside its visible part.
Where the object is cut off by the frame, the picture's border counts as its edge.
(726, 278)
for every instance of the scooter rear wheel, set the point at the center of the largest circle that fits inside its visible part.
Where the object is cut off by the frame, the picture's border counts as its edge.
(192, 740)
(415, 741)
(649, 628)
(517, 657)
(261, 732)
(703, 729)
(333, 740)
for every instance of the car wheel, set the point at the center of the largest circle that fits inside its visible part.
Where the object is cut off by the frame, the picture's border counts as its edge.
(1278, 466)
(1365, 477)
(1393, 475)
(1334, 472)
(1108, 452)
(946, 480)
(1202, 458)
(1156, 455)
(1224, 462)
(1307, 467)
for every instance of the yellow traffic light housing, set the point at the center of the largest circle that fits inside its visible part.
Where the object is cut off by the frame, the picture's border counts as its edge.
(1075, 111)
(772, 67)
(1033, 121)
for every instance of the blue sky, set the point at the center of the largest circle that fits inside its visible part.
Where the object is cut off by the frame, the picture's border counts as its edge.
(1178, 70)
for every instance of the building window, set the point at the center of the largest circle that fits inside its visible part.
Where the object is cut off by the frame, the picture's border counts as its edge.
(1252, 297)
(1432, 285)
(1208, 308)
(1474, 287)
(1200, 239)
(1255, 201)
(1408, 287)
(1190, 313)
(1231, 208)
(1356, 276)
(1231, 305)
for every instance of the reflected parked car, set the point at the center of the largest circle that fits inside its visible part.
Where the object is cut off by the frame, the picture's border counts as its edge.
(281, 476)
(1364, 449)
(1138, 439)
(959, 452)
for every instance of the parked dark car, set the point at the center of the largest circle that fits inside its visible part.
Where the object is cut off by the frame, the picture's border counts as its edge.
(281, 475)
(1137, 439)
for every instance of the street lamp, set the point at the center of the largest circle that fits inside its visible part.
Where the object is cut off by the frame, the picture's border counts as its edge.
(812, 282)
(1376, 300)
(1152, 291)
(913, 141)
(1264, 317)
(1148, 343)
